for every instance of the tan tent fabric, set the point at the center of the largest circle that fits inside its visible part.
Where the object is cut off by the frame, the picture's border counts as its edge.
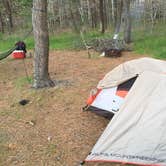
(130, 69)
(137, 133)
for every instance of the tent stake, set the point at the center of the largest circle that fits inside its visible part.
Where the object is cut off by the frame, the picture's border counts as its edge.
(82, 163)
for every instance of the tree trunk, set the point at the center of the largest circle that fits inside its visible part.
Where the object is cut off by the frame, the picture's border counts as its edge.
(119, 6)
(61, 13)
(113, 11)
(2, 23)
(127, 22)
(102, 16)
(73, 20)
(94, 15)
(8, 9)
(105, 14)
(89, 12)
(41, 37)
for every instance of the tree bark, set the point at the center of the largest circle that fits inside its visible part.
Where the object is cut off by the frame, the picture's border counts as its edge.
(41, 37)
(113, 11)
(105, 13)
(73, 19)
(127, 22)
(7, 5)
(94, 15)
(119, 6)
(102, 16)
(2, 23)
(89, 12)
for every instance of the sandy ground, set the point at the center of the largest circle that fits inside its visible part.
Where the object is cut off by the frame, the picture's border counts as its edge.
(51, 130)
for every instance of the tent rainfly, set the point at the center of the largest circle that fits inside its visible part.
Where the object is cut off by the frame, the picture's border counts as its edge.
(112, 89)
(137, 132)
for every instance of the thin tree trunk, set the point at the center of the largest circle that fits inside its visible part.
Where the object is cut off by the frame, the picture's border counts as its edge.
(41, 37)
(2, 23)
(102, 16)
(119, 6)
(61, 13)
(7, 5)
(93, 14)
(108, 12)
(113, 11)
(89, 12)
(127, 21)
(105, 14)
(73, 19)
(153, 14)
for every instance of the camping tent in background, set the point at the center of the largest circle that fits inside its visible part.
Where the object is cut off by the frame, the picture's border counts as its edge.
(137, 132)
(113, 88)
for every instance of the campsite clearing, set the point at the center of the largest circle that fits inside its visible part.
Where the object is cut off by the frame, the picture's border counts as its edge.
(51, 129)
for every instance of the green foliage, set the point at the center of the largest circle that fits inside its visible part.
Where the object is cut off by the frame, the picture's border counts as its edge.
(29, 43)
(22, 81)
(8, 41)
(1, 35)
(152, 44)
(25, 2)
(7, 44)
(63, 41)
(69, 40)
(23, 7)
(144, 42)
(51, 149)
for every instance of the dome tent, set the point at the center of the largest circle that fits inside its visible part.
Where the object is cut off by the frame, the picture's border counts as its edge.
(136, 134)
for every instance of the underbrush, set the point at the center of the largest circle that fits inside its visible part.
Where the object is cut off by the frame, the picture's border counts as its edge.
(153, 44)
(145, 42)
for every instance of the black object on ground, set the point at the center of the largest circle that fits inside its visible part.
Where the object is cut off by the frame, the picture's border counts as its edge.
(23, 102)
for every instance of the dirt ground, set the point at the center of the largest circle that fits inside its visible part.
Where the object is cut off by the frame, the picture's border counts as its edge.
(51, 130)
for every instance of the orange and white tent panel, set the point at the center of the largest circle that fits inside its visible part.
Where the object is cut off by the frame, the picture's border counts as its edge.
(108, 100)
